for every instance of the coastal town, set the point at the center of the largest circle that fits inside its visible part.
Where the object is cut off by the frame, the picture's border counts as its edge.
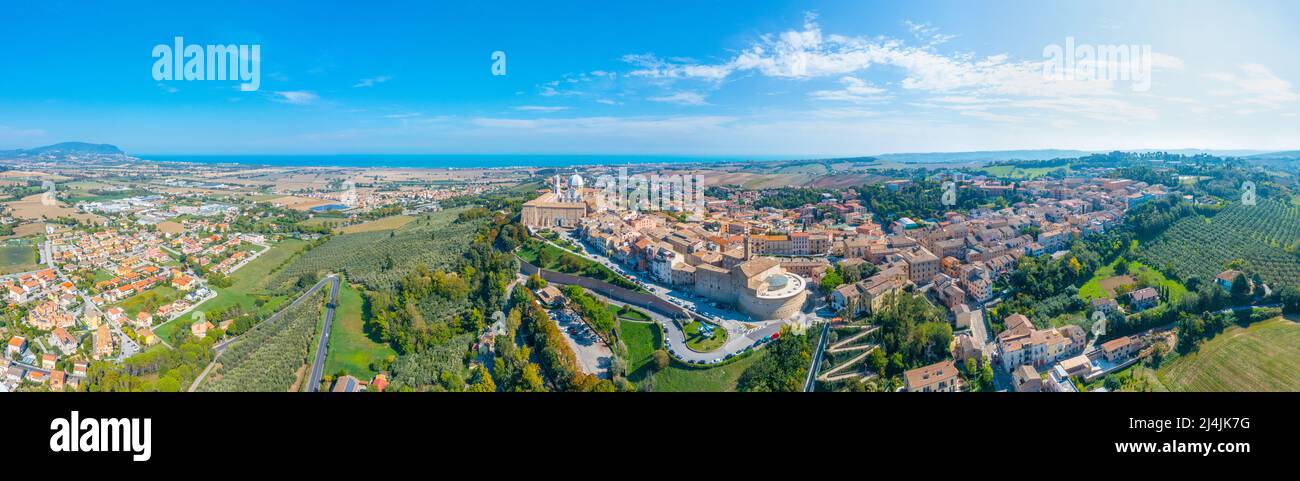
(100, 270)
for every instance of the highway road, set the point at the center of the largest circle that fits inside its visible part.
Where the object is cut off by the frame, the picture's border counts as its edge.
(220, 347)
(318, 365)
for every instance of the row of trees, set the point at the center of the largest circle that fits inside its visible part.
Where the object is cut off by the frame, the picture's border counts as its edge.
(268, 358)
(783, 368)
(557, 360)
(157, 369)
(923, 199)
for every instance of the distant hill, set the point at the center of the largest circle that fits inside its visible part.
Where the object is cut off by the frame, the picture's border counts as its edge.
(1214, 152)
(980, 156)
(1048, 154)
(65, 148)
(1284, 155)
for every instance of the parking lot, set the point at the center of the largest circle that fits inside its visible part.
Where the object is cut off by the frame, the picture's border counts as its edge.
(594, 357)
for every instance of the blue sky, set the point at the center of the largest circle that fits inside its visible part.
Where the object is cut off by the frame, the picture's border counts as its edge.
(762, 78)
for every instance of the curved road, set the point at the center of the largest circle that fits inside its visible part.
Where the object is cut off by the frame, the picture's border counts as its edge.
(675, 339)
(739, 337)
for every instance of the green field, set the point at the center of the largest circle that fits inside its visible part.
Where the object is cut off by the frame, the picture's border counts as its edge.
(714, 379)
(631, 314)
(150, 300)
(17, 257)
(1262, 357)
(641, 339)
(1093, 288)
(350, 349)
(246, 283)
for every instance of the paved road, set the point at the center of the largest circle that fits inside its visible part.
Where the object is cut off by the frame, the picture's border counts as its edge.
(675, 339)
(741, 335)
(126, 346)
(220, 347)
(318, 366)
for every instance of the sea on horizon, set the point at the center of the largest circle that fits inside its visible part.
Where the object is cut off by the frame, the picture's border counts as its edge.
(443, 161)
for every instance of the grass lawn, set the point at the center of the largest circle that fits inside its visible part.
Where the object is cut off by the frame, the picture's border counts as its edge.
(697, 341)
(150, 299)
(1262, 357)
(631, 314)
(1101, 285)
(246, 284)
(714, 379)
(102, 275)
(641, 339)
(17, 257)
(351, 350)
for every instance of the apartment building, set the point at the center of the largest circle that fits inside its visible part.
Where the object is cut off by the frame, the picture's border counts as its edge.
(1021, 344)
(938, 377)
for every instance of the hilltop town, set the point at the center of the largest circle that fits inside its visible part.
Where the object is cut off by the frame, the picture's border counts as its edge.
(1000, 277)
(767, 264)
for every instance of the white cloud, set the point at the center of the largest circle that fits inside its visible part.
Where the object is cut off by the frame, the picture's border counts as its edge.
(927, 34)
(1254, 88)
(372, 81)
(682, 98)
(296, 97)
(648, 65)
(541, 108)
(808, 53)
(855, 90)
